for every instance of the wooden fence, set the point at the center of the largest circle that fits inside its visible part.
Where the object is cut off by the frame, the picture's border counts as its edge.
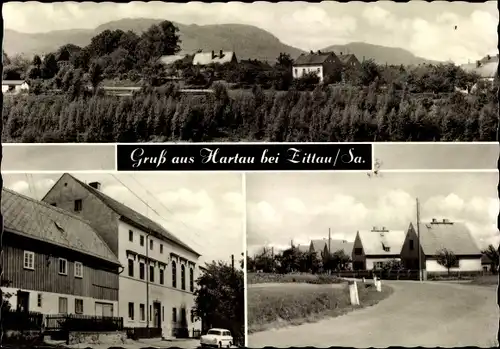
(78, 322)
(22, 320)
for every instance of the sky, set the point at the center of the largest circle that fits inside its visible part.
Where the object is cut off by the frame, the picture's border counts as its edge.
(204, 210)
(426, 29)
(302, 206)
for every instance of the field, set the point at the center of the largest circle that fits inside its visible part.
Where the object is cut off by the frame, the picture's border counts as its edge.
(258, 278)
(276, 305)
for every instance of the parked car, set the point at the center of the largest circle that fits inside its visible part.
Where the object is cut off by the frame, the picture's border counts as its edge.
(217, 337)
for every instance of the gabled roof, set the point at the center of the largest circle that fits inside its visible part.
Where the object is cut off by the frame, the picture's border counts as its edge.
(171, 59)
(13, 82)
(485, 70)
(135, 218)
(374, 242)
(345, 58)
(303, 248)
(454, 236)
(337, 245)
(313, 58)
(485, 259)
(205, 58)
(318, 245)
(37, 220)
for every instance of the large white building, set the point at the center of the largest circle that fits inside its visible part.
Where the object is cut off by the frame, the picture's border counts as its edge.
(156, 286)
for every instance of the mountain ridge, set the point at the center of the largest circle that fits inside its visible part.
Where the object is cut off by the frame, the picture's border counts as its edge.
(249, 42)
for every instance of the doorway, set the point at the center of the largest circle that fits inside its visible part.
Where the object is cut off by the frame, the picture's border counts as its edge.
(23, 301)
(157, 314)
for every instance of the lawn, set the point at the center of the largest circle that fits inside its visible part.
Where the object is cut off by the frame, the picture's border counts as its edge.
(289, 304)
(485, 280)
(258, 278)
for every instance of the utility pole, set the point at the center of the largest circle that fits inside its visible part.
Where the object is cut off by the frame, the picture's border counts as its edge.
(329, 242)
(232, 262)
(418, 242)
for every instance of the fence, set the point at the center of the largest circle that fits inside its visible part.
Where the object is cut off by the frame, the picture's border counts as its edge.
(381, 274)
(143, 332)
(77, 322)
(22, 320)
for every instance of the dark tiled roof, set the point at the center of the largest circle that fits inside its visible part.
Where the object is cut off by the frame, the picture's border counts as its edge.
(345, 58)
(454, 237)
(485, 259)
(312, 58)
(134, 217)
(35, 219)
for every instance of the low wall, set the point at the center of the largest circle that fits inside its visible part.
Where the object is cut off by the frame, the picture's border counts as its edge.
(22, 337)
(117, 337)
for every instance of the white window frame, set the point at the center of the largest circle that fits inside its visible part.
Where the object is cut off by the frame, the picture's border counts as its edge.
(80, 276)
(76, 300)
(39, 300)
(142, 312)
(32, 256)
(59, 306)
(65, 266)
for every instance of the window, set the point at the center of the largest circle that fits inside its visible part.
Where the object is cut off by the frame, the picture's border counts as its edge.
(53, 204)
(130, 236)
(387, 248)
(163, 313)
(378, 265)
(183, 277)
(162, 277)
(29, 260)
(191, 280)
(39, 300)
(412, 247)
(151, 273)
(174, 314)
(141, 270)
(192, 315)
(161, 248)
(183, 315)
(174, 274)
(151, 245)
(142, 310)
(78, 306)
(130, 267)
(295, 71)
(63, 305)
(131, 311)
(358, 251)
(150, 312)
(142, 240)
(63, 266)
(78, 270)
(78, 205)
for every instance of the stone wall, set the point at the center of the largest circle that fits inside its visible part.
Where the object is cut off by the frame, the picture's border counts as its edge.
(111, 338)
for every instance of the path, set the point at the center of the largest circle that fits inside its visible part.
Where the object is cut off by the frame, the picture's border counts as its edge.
(416, 314)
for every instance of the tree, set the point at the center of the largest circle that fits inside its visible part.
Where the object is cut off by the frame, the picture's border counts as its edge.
(159, 40)
(95, 76)
(49, 66)
(284, 60)
(219, 299)
(447, 259)
(492, 253)
(37, 61)
(5, 58)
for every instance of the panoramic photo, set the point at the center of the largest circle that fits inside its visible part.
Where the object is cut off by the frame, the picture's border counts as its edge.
(123, 260)
(364, 259)
(158, 71)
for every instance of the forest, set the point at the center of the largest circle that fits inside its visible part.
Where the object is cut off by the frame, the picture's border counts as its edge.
(251, 100)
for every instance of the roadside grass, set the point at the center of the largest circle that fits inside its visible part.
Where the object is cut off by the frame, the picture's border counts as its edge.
(274, 307)
(259, 278)
(485, 280)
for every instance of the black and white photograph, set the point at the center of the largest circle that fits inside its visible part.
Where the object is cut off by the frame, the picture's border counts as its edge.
(123, 260)
(206, 72)
(377, 259)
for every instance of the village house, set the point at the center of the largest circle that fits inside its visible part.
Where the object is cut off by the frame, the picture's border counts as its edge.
(156, 288)
(303, 248)
(436, 236)
(349, 60)
(207, 58)
(320, 63)
(54, 262)
(14, 86)
(486, 263)
(375, 247)
(322, 246)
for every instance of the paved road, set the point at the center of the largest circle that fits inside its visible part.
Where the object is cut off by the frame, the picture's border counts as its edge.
(303, 285)
(416, 314)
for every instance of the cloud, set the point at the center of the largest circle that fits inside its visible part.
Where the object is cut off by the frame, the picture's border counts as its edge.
(31, 187)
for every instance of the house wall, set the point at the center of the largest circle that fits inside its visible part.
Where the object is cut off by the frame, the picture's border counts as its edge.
(95, 283)
(331, 64)
(358, 260)
(16, 88)
(50, 302)
(102, 218)
(134, 290)
(370, 262)
(409, 256)
(465, 264)
(299, 71)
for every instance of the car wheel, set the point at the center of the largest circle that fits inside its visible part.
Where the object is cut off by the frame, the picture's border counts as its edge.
(220, 344)
(229, 345)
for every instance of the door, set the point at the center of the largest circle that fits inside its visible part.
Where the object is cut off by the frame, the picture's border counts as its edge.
(23, 301)
(104, 309)
(157, 314)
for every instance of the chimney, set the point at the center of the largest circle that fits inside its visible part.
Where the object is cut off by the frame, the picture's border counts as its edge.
(319, 52)
(446, 221)
(312, 52)
(213, 54)
(221, 54)
(374, 228)
(478, 64)
(383, 229)
(341, 53)
(434, 220)
(95, 185)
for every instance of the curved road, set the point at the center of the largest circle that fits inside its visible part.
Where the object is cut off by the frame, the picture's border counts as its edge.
(417, 314)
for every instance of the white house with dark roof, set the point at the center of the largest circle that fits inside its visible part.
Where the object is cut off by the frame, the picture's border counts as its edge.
(156, 293)
(55, 262)
(221, 57)
(318, 63)
(435, 236)
(374, 247)
(14, 86)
